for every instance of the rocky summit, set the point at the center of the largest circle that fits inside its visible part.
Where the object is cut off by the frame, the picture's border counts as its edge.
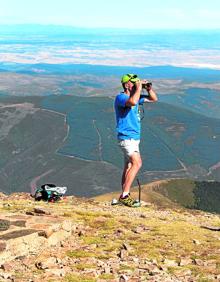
(88, 240)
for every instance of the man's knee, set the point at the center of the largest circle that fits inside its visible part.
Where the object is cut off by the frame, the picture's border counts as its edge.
(139, 163)
(136, 160)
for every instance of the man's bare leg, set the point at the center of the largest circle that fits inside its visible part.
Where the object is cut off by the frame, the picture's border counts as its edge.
(130, 173)
(127, 167)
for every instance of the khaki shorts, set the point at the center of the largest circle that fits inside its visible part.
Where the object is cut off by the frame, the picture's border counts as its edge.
(129, 147)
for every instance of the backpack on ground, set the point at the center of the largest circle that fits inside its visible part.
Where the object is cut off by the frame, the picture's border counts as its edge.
(49, 193)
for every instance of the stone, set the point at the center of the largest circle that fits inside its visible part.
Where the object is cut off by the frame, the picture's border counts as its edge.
(57, 271)
(58, 236)
(126, 246)
(41, 211)
(81, 233)
(199, 262)
(93, 246)
(210, 264)
(17, 234)
(93, 273)
(185, 261)
(2, 246)
(123, 278)
(4, 224)
(107, 270)
(7, 266)
(153, 269)
(46, 263)
(138, 230)
(67, 225)
(29, 213)
(212, 228)
(123, 254)
(135, 259)
(7, 205)
(6, 275)
(19, 223)
(196, 242)
(46, 233)
(119, 232)
(170, 263)
(183, 272)
(145, 266)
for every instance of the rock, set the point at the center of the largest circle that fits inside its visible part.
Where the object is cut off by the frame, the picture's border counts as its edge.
(169, 263)
(59, 261)
(154, 261)
(123, 254)
(19, 223)
(93, 246)
(7, 266)
(7, 205)
(212, 228)
(6, 275)
(4, 224)
(126, 246)
(91, 272)
(199, 262)
(144, 266)
(107, 270)
(138, 230)
(183, 273)
(163, 267)
(119, 232)
(210, 263)
(135, 259)
(57, 271)
(46, 233)
(2, 246)
(153, 269)
(123, 278)
(196, 242)
(46, 263)
(29, 213)
(81, 233)
(41, 211)
(185, 261)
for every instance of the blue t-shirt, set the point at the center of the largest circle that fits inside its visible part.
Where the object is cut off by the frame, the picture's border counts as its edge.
(127, 118)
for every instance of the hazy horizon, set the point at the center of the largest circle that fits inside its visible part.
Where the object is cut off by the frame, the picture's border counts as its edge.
(143, 14)
(129, 29)
(52, 44)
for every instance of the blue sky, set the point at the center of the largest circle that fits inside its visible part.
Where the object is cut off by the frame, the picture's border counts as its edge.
(146, 14)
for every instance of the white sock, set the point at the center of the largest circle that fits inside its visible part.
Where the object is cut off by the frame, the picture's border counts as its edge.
(124, 194)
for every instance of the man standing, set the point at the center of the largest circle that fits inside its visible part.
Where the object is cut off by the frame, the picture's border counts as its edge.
(128, 129)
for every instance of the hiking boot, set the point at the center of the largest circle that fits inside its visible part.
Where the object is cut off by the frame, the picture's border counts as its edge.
(128, 201)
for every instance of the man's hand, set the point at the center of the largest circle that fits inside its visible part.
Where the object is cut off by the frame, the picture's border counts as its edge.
(148, 87)
(138, 85)
(134, 97)
(145, 86)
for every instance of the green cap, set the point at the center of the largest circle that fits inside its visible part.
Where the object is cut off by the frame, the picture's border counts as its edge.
(129, 77)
